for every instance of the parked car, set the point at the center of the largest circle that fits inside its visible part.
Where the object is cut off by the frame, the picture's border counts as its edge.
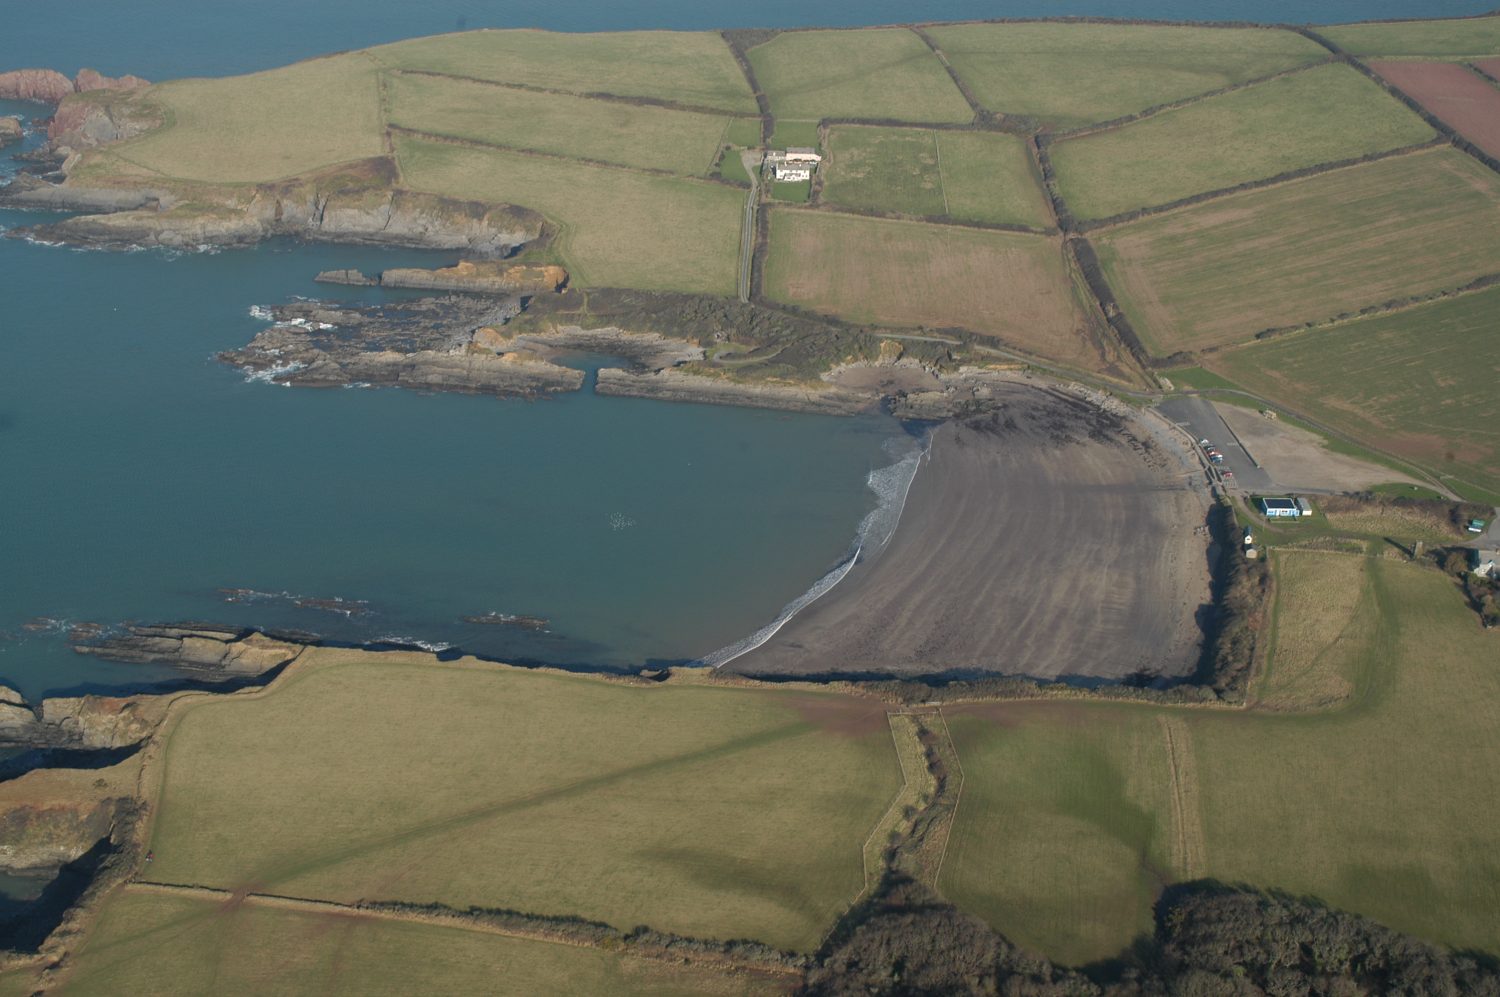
(1476, 526)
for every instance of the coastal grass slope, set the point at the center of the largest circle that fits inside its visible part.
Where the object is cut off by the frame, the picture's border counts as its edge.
(655, 138)
(885, 74)
(679, 67)
(712, 812)
(1073, 815)
(1326, 114)
(184, 945)
(1067, 75)
(266, 126)
(1419, 383)
(1455, 38)
(1013, 286)
(984, 177)
(615, 228)
(1305, 251)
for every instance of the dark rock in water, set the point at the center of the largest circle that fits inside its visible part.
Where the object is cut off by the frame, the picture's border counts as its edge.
(440, 344)
(508, 620)
(352, 277)
(218, 652)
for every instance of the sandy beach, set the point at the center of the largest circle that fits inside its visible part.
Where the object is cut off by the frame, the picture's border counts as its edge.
(1048, 539)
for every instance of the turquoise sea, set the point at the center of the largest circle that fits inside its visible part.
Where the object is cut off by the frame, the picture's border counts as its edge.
(139, 477)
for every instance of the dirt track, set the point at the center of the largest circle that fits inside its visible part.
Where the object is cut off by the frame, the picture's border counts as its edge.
(1050, 539)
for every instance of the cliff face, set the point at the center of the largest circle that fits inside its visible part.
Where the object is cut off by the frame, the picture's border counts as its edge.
(83, 121)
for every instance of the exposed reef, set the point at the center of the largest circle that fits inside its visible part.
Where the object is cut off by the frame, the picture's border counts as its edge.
(210, 652)
(437, 344)
(681, 386)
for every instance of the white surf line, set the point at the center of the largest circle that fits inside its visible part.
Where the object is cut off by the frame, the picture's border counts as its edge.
(825, 584)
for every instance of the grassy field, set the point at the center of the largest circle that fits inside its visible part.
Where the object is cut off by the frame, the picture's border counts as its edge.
(681, 142)
(1067, 75)
(1451, 39)
(1073, 814)
(1319, 638)
(1304, 251)
(885, 73)
(616, 228)
(1324, 114)
(159, 944)
(685, 67)
(713, 812)
(1419, 383)
(967, 176)
(274, 129)
(1004, 284)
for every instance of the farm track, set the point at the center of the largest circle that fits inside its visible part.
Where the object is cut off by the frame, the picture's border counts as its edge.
(1189, 845)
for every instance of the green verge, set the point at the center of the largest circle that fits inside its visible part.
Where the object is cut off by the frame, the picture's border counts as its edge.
(713, 812)
(616, 228)
(1305, 251)
(277, 129)
(1072, 815)
(1455, 38)
(171, 945)
(683, 67)
(680, 142)
(1419, 383)
(1067, 75)
(967, 176)
(1325, 114)
(871, 73)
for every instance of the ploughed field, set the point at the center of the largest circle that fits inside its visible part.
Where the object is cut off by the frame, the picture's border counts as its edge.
(1049, 539)
(1466, 101)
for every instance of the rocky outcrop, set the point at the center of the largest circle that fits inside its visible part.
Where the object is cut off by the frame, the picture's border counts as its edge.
(436, 344)
(32, 193)
(46, 86)
(208, 652)
(379, 217)
(83, 121)
(680, 386)
(92, 79)
(481, 277)
(41, 839)
(10, 131)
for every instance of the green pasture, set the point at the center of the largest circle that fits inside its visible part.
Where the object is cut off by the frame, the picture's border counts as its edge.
(265, 126)
(884, 73)
(683, 67)
(607, 131)
(732, 166)
(967, 176)
(1013, 286)
(744, 132)
(1305, 251)
(790, 133)
(1066, 75)
(1074, 814)
(720, 813)
(1325, 114)
(148, 943)
(790, 191)
(1419, 383)
(615, 228)
(1455, 38)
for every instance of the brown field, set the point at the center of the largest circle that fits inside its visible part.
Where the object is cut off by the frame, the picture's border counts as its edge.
(1490, 67)
(1467, 103)
(1012, 286)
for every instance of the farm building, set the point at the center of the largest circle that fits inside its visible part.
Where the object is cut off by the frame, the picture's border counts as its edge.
(788, 173)
(1279, 508)
(1482, 563)
(802, 154)
(792, 165)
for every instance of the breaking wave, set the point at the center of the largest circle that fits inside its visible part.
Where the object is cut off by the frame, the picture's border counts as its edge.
(892, 484)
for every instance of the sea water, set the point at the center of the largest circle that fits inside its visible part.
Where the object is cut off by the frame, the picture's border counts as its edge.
(140, 479)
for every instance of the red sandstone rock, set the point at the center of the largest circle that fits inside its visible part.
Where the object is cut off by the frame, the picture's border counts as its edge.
(45, 85)
(90, 79)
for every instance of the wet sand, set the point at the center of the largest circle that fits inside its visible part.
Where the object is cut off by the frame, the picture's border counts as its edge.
(1049, 539)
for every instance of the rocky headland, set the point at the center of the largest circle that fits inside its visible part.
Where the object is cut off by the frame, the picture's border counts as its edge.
(437, 344)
